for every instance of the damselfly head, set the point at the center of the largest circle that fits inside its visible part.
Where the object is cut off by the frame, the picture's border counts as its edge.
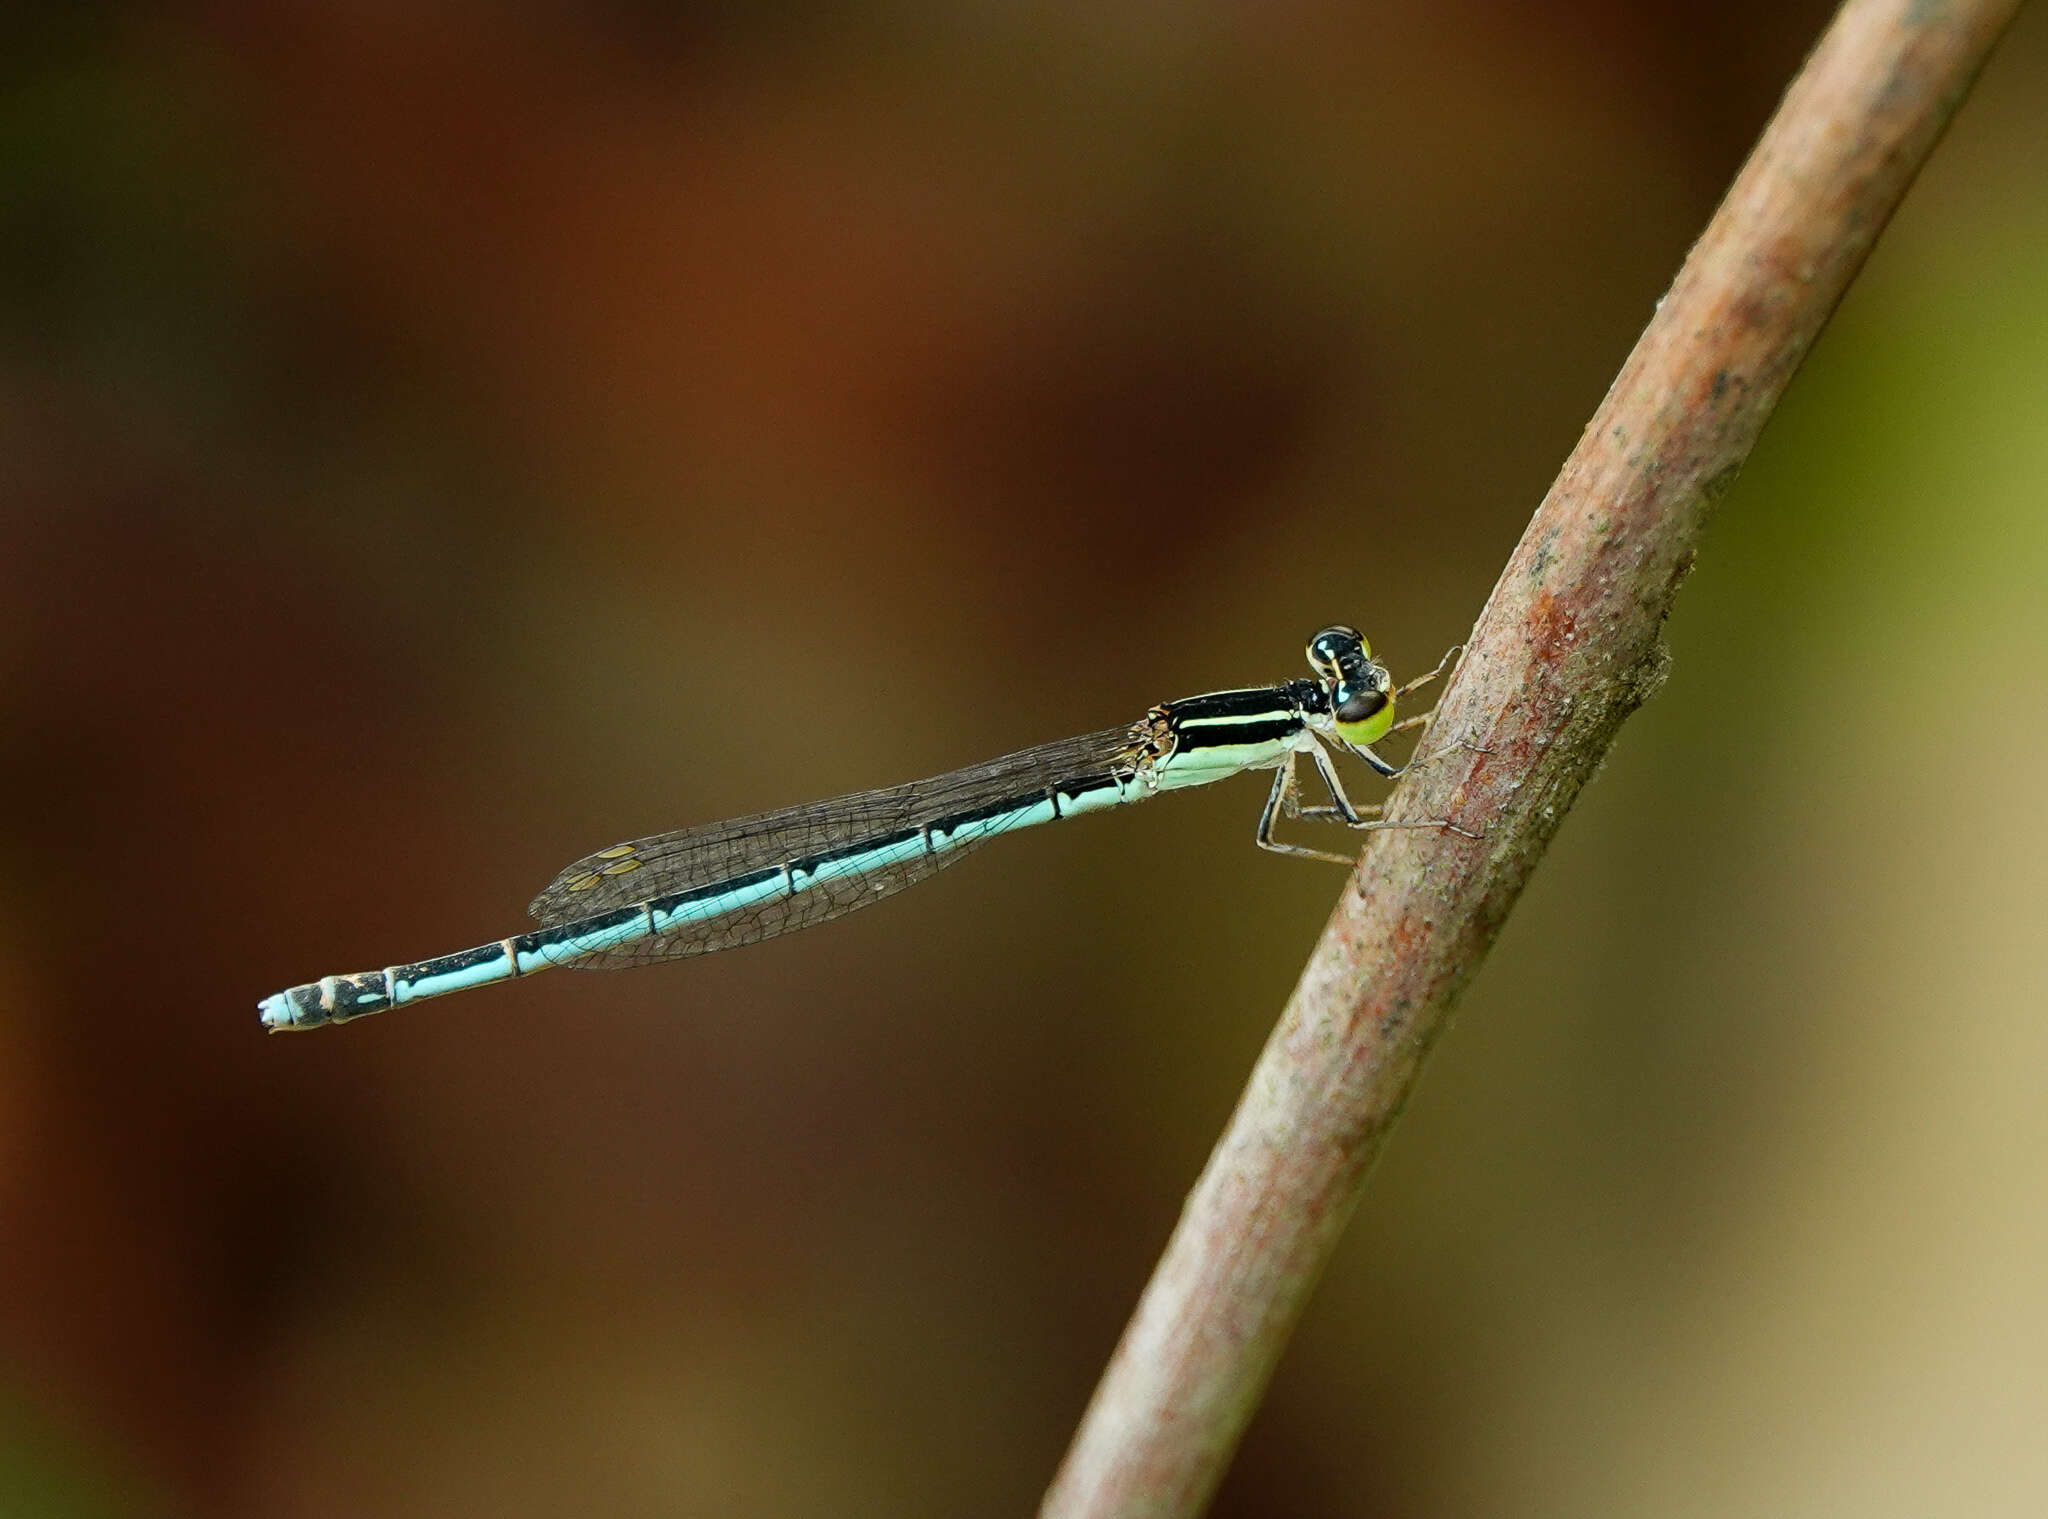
(1360, 690)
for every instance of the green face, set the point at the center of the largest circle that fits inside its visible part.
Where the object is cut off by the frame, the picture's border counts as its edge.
(1371, 727)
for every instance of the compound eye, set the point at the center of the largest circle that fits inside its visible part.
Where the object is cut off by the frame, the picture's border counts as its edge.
(1354, 702)
(1336, 651)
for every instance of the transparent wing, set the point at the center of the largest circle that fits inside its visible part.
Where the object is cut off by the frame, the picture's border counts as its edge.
(688, 858)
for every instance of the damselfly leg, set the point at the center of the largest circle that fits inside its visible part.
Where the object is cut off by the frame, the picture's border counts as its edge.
(1422, 721)
(1282, 798)
(1285, 799)
(1450, 657)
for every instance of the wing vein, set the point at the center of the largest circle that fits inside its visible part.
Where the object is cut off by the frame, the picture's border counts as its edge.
(898, 820)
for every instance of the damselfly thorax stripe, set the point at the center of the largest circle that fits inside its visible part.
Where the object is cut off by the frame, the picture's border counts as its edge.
(720, 885)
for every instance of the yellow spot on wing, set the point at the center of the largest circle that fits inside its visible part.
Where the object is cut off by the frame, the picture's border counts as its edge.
(621, 867)
(617, 851)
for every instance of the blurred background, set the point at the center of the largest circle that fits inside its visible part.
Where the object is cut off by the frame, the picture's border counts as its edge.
(440, 441)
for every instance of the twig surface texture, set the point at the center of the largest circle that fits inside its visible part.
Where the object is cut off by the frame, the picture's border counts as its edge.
(1565, 649)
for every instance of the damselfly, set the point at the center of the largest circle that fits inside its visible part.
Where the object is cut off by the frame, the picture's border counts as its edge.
(721, 885)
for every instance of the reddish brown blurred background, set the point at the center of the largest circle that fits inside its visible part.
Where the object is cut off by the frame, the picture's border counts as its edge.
(436, 445)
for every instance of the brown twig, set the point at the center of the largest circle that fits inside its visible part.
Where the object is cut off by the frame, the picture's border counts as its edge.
(1566, 648)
